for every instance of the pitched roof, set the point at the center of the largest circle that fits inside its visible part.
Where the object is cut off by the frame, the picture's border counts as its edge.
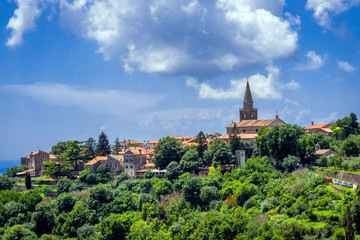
(153, 141)
(241, 136)
(321, 125)
(181, 138)
(247, 96)
(95, 160)
(258, 123)
(136, 150)
(149, 165)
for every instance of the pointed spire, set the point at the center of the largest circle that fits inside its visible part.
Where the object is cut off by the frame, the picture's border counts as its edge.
(248, 97)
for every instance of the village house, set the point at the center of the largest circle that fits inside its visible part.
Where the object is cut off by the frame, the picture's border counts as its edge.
(322, 127)
(150, 144)
(35, 162)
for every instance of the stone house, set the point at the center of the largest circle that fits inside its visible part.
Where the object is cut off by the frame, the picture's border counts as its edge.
(35, 161)
(322, 127)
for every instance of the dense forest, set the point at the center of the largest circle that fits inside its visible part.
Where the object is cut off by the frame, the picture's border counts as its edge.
(256, 202)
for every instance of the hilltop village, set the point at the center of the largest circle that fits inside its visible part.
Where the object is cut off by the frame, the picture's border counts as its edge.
(135, 158)
(263, 179)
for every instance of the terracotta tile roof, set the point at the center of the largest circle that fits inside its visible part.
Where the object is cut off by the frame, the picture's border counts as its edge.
(153, 141)
(225, 136)
(136, 150)
(149, 151)
(34, 153)
(52, 156)
(95, 160)
(132, 142)
(321, 125)
(231, 125)
(142, 170)
(149, 165)
(181, 138)
(322, 151)
(257, 123)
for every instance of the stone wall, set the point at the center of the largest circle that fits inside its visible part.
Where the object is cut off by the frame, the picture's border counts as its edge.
(343, 176)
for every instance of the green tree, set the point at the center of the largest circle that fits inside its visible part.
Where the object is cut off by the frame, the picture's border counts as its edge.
(173, 171)
(356, 212)
(90, 146)
(192, 190)
(208, 194)
(73, 153)
(28, 181)
(149, 174)
(166, 151)
(349, 228)
(63, 185)
(234, 141)
(218, 153)
(201, 141)
(103, 173)
(280, 141)
(117, 146)
(103, 146)
(6, 183)
(64, 202)
(30, 199)
(98, 196)
(74, 220)
(190, 162)
(351, 146)
(86, 232)
(11, 172)
(58, 149)
(113, 227)
(163, 187)
(57, 168)
(18, 232)
(290, 163)
(43, 219)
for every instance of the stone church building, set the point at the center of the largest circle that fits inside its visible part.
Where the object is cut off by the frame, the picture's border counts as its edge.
(249, 123)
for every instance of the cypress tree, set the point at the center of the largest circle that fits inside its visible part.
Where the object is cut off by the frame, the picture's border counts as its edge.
(28, 181)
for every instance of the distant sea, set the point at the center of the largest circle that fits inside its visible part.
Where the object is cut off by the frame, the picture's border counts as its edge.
(5, 164)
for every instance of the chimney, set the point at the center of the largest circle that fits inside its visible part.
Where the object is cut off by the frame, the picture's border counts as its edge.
(312, 123)
(140, 151)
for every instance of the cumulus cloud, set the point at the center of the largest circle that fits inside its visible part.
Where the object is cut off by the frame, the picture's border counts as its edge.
(314, 61)
(176, 36)
(22, 21)
(115, 102)
(266, 87)
(294, 112)
(325, 9)
(345, 66)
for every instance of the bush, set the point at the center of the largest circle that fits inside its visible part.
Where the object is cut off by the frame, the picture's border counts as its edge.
(6, 183)
(63, 185)
(208, 194)
(122, 177)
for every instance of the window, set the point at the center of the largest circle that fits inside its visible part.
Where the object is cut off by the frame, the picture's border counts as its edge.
(243, 130)
(126, 166)
(131, 160)
(126, 160)
(131, 166)
(43, 156)
(257, 130)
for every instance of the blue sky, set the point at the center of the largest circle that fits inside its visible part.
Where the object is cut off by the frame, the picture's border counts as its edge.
(147, 69)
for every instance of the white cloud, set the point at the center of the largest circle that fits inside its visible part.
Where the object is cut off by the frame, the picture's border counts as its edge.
(325, 9)
(331, 118)
(266, 87)
(294, 20)
(115, 102)
(293, 112)
(314, 61)
(22, 21)
(174, 36)
(345, 66)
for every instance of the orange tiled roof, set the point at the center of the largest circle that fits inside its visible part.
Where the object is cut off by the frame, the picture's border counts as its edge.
(34, 153)
(256, 123)
(132, 142)
(143, 170)
(149, 165)
(322, 151)
(321, 125)
(241, 136)
(52, 156)
(136, 150)
(181, 138)
(153, 141)
(95, 160)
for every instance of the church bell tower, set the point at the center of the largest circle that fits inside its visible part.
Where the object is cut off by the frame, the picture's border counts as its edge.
(248, 112)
